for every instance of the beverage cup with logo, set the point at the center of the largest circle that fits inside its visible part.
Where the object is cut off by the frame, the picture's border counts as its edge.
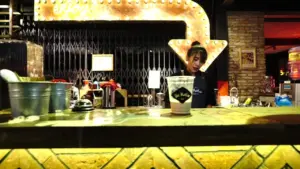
(180, 93)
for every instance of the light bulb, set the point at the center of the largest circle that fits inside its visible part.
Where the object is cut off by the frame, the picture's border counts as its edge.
(170, 1)
(37, 7)
(53, 1)
(194, 4)
(178, 1)
(55, 9)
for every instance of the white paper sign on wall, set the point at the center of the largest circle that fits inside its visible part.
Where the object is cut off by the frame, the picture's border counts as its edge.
(103, 62)
(154, 79)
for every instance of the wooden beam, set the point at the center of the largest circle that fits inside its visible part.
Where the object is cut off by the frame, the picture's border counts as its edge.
(282, 41)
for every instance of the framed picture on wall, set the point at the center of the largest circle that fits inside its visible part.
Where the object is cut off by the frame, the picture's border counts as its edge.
(247, 58)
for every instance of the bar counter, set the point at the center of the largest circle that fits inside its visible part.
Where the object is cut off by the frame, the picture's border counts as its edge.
(217, 138)
(139, 127)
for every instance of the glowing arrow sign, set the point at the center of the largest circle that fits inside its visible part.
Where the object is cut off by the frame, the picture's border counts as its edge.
(135, 10)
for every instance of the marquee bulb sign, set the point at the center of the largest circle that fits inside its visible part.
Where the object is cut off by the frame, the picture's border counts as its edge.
(197, 23)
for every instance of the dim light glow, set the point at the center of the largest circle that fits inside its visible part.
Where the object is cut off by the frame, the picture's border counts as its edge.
(4, 6)
(152, 10)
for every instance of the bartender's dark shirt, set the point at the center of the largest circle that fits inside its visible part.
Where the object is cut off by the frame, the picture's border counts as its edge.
(203, 91)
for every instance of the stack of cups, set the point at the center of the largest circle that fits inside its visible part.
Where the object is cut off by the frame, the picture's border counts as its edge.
(181, 93)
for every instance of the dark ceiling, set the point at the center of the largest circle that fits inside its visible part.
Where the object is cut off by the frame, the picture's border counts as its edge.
(265, 5)
(250, 5)
(243, 5)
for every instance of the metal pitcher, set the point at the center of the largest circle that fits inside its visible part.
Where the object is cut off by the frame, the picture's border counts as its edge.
(108, 98)
(160, 100)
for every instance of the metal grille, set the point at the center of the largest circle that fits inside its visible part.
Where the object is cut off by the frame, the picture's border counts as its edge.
(137, 48)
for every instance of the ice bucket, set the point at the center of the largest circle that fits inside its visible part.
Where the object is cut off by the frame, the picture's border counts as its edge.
(29, 98)
(60, 97)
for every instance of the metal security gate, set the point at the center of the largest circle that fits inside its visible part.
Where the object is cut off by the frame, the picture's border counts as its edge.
(137, 48)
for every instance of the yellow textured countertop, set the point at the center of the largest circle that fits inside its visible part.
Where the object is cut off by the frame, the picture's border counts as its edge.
(139, 126)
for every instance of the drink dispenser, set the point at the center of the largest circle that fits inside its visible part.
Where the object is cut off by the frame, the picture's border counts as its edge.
(109, 89)
(294, 63)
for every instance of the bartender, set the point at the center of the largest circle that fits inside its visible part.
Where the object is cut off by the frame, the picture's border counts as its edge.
(203, 92)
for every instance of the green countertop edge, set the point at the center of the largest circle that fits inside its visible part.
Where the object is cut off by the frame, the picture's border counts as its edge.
(139, 116)
(146, 136)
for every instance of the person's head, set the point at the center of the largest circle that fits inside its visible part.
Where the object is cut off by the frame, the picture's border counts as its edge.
(196, 57)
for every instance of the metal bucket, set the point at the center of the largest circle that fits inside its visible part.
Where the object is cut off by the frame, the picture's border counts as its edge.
(29, 98)
(60, 97)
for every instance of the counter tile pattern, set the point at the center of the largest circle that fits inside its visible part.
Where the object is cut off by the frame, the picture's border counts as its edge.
(213, 157)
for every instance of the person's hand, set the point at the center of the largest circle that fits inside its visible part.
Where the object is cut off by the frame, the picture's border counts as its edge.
(209, 106)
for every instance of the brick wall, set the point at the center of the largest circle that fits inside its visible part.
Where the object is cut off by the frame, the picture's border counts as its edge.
(246, 30)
